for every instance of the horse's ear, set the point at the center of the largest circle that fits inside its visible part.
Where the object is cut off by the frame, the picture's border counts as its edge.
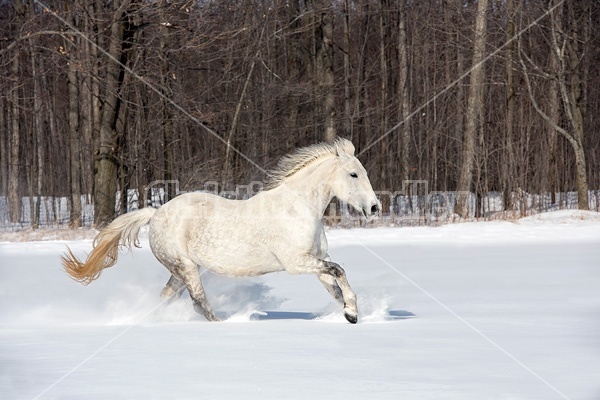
(344, 147)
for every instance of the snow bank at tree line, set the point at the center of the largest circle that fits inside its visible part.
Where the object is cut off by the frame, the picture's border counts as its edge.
(561, 226)
(444, 232)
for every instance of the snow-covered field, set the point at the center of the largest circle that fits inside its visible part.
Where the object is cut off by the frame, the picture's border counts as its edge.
(492, 310)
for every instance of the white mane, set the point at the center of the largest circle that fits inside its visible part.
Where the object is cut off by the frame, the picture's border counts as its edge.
(294, 162)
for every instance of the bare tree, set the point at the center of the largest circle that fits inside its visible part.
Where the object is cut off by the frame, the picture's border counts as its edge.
(507, 161)
(324, 67)
(569, 28)
(474, 102)
(3, 152)
(38, 160)
(14, 197)
(74, 132)
(403, 92)
(105, 185)
(348, 125)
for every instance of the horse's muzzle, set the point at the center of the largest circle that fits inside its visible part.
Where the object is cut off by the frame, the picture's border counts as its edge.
(372, 212)
(375, 209)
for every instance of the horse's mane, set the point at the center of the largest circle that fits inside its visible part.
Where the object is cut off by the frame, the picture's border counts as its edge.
(294, 162)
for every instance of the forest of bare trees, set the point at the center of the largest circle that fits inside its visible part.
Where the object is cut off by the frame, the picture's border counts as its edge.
(100, 98)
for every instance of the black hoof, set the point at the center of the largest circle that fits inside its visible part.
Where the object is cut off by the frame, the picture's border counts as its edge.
(351, 318)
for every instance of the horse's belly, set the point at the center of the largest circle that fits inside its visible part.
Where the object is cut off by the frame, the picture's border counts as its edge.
(229, 267)
(234, 258)
(237, 270)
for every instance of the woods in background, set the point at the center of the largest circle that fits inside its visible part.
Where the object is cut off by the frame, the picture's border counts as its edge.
(101, 97)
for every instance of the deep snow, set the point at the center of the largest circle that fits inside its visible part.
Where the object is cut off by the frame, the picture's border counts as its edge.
(494, 310)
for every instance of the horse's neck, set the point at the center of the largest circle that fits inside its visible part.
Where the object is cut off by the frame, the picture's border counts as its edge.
(311, 186)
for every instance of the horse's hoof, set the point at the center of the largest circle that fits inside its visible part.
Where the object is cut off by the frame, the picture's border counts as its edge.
(213, 318)
(351, 318)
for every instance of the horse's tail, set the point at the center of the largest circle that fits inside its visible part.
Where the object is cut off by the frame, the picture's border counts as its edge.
(122, 232)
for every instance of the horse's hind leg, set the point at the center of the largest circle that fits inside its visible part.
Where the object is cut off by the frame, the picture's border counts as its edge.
(190, 276)
(172, 289)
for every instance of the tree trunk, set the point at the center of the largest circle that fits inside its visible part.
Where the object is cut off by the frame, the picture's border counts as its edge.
(96, 103)
(554, 114)
(105, 179)
(508, 160)
(3, 152)
(404, 111)
(167, 116)
(122, 168)
(86, 112)
(74, 139)
(324, 68)
(404, 104)
(460, 92)
(38, 140)
(348, 131)
(473, 103)
(295, 73)
(572, 87)
(359, 89)
(14, 198)
(582, 185)
(383, 96)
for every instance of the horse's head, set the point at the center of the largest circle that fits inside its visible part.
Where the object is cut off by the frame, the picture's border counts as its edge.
(350, 182)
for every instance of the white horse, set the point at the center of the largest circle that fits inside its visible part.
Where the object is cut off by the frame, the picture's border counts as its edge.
(279, 229)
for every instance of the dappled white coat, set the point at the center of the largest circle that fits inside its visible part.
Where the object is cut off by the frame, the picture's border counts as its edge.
(278, 229)
(273, 231)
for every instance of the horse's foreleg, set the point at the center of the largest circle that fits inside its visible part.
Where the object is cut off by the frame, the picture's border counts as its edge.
(350, 307)
(172, 289)
(331, 284)
(332, 287)
(338, 275)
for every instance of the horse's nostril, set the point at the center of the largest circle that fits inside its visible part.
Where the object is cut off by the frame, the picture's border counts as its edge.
(374, 209)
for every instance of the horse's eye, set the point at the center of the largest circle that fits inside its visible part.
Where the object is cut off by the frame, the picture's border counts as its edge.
(354, 175)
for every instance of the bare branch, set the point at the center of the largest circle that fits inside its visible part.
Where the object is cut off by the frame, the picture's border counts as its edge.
(31, 35)
(541, 112)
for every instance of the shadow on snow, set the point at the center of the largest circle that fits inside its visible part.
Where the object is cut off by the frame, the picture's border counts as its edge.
(391, 315)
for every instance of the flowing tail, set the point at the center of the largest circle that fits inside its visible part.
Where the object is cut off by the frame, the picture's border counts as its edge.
(122, 232)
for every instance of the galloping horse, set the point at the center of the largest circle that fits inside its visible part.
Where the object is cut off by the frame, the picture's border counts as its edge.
(279, 229)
